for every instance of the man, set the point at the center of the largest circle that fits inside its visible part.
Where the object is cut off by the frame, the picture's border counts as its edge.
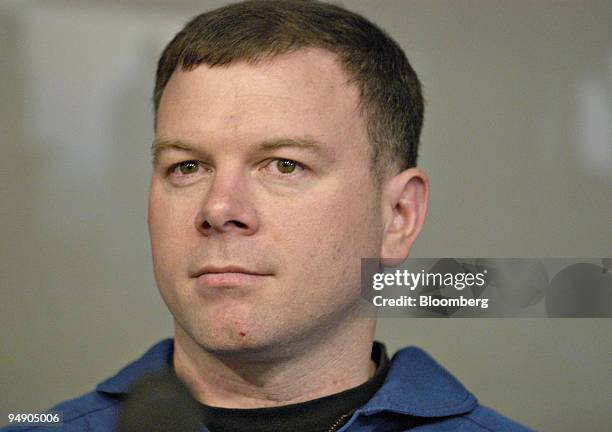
(286, 137)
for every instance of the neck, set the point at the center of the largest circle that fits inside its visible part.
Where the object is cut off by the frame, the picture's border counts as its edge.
(326, 365)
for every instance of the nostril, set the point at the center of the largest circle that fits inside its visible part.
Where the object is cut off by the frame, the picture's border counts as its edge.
(239, 224)
(207, 226)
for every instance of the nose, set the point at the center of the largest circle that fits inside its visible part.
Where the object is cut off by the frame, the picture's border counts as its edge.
(227, 207)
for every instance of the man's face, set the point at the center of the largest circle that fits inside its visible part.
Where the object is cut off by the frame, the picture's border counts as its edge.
(279, 186)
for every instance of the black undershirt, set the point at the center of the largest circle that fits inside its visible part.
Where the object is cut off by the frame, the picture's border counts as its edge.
(317, 415)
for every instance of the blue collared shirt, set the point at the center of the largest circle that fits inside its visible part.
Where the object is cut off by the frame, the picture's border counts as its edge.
(417, 395)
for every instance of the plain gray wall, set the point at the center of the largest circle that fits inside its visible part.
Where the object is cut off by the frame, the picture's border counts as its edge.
(517, 143)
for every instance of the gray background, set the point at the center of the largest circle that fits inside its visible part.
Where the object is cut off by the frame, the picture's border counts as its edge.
(517, 142)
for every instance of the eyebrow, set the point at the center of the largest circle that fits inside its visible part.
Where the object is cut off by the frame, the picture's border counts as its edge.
(303, 143)
(161, 145)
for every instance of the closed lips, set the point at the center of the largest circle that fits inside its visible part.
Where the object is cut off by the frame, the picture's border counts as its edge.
(228, 269)
(230, 276)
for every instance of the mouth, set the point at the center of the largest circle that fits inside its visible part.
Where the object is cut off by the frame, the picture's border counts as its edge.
(228, 276)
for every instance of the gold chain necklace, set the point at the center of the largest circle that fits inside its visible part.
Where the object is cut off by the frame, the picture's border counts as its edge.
(343, 417)
(339, 422)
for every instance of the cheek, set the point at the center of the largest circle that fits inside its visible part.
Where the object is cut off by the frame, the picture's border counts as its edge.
(168, 228)
(170, 248)
(326, 238)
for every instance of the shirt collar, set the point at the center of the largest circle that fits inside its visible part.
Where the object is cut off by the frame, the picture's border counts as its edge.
(158, 357)
(415, 385)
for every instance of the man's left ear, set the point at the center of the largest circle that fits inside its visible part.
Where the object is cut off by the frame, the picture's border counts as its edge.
(405, 200)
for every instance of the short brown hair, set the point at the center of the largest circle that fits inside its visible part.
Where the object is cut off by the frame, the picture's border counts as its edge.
(254, 30)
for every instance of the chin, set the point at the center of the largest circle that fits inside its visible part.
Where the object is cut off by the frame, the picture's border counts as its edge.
(230, 346)
(239, 328)
(231, 334)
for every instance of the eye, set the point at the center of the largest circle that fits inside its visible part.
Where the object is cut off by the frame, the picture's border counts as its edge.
(185, 168)
(284, 167)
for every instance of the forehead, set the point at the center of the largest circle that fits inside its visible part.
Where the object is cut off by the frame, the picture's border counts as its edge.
(304, 93)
